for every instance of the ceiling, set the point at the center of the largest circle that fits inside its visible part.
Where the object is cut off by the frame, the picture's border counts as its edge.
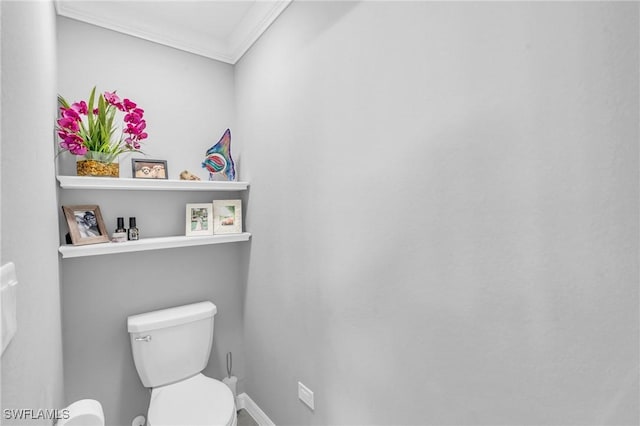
(216, 29)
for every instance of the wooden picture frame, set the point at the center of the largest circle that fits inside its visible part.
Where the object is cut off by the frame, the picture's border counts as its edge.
(199, 219)
(227, 216)
(86, 225)
(149, 169)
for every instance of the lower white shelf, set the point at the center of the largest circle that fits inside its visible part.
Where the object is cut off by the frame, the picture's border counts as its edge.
(144, 244)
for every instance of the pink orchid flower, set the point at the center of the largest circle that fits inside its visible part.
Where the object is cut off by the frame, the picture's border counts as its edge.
(68, 123)
(74, 144)
(114, 100)
(132, 143)
(136, 129)
(132, 118)
(128, 105)
(80, 107)
(78, 150)
(69, 113)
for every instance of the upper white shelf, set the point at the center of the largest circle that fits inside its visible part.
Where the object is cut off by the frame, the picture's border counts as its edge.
(129, 184)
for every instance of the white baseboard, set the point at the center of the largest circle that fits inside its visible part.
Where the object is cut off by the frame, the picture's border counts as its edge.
(245, 402)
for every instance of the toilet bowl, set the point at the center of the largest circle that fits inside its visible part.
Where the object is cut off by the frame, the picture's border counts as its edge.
(198, 400)
(170, 349)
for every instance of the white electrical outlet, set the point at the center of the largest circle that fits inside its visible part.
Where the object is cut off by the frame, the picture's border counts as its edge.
(306, 395)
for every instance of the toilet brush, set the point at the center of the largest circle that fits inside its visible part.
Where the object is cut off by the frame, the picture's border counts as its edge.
(231, 381)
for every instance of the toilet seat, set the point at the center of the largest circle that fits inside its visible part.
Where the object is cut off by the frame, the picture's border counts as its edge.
(198, 400)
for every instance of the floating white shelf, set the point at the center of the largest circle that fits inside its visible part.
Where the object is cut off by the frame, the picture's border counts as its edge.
(86, 182)
(69, 251)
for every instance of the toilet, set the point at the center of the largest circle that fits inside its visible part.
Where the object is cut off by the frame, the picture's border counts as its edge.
(170, 349)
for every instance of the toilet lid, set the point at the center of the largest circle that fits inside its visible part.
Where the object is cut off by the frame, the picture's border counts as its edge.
(198, 400)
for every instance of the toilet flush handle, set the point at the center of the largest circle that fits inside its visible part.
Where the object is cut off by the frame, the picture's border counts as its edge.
(143, 338)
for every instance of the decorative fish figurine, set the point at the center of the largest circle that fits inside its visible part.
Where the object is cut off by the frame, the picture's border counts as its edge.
(219, 159)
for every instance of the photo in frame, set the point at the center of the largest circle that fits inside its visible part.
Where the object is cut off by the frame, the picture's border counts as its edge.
(227, 216)
(149, 169)
(86, 225)
(199, 219)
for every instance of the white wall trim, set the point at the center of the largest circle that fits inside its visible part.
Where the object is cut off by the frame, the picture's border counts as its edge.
(245, 402)
(213, 49)
(259, 17)
(256, 22)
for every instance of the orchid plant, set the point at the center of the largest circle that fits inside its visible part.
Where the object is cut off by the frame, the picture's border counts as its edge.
(85, 129)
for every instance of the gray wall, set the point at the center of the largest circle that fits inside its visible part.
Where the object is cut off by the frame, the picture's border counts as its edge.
(444, 206)
(188, 102)
(32, 364)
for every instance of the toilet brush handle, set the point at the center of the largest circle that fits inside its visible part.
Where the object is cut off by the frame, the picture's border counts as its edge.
(229, 364)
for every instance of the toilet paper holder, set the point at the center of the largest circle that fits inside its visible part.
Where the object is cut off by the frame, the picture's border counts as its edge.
(231, 381)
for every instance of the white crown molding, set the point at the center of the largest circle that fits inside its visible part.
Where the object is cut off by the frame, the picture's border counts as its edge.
(257, 19)
(253, 25)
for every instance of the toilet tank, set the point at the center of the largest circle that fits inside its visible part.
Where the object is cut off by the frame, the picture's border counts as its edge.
(171, 344)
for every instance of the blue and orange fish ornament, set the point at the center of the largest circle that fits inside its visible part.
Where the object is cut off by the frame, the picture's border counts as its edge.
(219, 161)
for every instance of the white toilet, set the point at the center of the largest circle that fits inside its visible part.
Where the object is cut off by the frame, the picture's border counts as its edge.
(170, 349)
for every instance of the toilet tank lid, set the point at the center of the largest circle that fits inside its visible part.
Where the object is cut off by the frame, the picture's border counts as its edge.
(170, 317)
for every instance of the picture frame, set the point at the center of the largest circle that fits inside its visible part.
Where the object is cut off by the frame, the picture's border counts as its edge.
(85, 224)
(149, 169)
(227, 216)
(199, 219)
